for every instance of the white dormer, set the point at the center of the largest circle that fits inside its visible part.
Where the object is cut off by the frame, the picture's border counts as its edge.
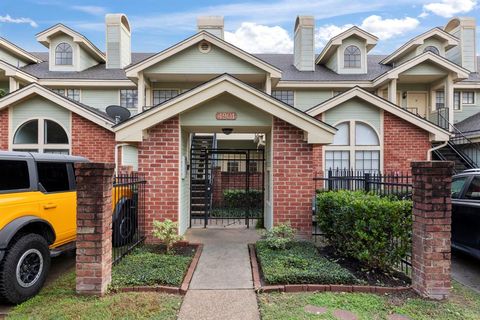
(434, 40)
(346, 53)
(69, 50)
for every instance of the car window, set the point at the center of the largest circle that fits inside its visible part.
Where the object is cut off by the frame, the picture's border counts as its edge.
(457, 186)
(14, 175)
(53, 176)
(473, 191)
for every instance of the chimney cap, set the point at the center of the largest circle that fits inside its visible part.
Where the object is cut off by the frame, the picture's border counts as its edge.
(118, 18)
(304, 21)
(210, 21)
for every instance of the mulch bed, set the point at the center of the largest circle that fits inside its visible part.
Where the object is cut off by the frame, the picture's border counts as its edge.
(371, 277)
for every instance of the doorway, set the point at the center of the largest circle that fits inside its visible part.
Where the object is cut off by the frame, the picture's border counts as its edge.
(417, 103)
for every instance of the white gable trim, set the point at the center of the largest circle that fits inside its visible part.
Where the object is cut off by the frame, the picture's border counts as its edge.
(35, 89)
(132, 130)
(461, 73)
(133, 70)
(437, 133)
(44, 38)
(12, 71)
(17, 51)
(336, 41)
(419, 40)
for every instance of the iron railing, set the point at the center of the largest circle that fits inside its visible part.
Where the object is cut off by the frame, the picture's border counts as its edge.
(396, 185)
(128, 221)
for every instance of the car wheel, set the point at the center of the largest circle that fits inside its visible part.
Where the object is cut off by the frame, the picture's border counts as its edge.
(24, 268)
(124, 224)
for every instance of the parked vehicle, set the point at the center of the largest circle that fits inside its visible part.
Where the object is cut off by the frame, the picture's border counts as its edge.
(38, 203)
(466, 212)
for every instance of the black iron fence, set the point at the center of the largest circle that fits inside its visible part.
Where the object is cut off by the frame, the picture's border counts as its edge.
(128, 221)
(395, 185)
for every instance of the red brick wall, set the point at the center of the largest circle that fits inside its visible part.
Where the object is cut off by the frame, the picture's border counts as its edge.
(158, 160)
(92, 141)
(317, 160)
(4, 129)
(293, 185)
(403, 143)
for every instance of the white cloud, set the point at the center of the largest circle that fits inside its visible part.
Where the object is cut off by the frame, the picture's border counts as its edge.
(326, 32)
(93, 10)
(449, 8)
(258, 38)
(8, 19)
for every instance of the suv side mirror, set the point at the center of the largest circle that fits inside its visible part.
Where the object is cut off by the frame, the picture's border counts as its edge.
(41, 188)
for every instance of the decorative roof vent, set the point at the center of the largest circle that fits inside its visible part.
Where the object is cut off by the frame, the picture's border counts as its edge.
(204, 47)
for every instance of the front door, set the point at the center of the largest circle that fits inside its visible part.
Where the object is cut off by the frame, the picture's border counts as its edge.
(417, 103)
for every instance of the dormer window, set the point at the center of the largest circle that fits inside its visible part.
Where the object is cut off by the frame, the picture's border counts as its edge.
(352, 57)
(432, 49)
(63, 54)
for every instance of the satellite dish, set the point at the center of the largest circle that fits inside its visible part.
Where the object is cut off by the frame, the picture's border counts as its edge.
(118, 113)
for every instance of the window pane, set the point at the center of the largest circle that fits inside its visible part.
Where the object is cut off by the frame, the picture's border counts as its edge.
(342, 136)
(337, 160)
(351, 57)
(473, 191)
(365, 135)
(73, 94)
(367, 161)
(440, 99)
(57, 151)
(27, 133)
(53, 176)
(432, 49)
(457, 185)
(456, 100)
(468, 97)
(286, 96)
(128, 98)
(14, 175)
(54, 133)
(232, 166)
(160, 96)
(63, 54)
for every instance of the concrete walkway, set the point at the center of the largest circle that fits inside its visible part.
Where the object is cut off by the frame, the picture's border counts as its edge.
(222, 285)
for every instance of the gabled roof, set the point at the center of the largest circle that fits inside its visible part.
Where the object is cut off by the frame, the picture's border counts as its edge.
(461, 72)
(12, 71)
(132, 129)
(34, 89)
(419, 40)
(133, 69)
(336, 41)
(45, 36)
(17, 51)
(470, 126)
(438, 133)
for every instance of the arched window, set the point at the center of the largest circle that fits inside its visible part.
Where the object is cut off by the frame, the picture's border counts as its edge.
(356, 145)
(41, 135)
(63, 54)
(352, 57)
(431, 49)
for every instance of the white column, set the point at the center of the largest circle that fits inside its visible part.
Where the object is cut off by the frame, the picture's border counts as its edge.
(449, 97)
(392, 91)
(13, 84)
(268, 84)
(141, 92)
(148, 94)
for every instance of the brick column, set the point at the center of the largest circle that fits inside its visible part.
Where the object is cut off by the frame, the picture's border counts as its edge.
(94, 227)
(432, 211)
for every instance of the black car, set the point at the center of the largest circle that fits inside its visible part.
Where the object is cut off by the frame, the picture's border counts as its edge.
(466, 212)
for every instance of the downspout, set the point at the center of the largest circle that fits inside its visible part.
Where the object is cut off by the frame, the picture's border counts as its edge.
(429, 152)
(116, 154)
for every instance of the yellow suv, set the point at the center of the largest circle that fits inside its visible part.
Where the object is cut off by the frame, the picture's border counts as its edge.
(38, 204)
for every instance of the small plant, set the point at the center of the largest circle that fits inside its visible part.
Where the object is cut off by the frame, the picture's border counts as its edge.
(279, 236)
(167, 232)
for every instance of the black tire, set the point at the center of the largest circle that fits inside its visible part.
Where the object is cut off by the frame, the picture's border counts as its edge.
(24, 268)
(124, 224)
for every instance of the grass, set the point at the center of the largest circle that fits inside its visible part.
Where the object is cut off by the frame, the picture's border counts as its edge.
(59, 301)
(464, 304)
(299, 263)
(147, 266)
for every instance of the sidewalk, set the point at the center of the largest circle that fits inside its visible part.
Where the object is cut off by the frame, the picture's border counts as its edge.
(222, 285)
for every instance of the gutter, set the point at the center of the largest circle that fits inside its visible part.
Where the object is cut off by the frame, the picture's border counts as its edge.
(429, 151)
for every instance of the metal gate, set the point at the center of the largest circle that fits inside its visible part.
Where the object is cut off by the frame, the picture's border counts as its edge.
(227, 187)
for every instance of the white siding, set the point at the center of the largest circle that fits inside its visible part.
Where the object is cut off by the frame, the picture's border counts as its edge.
(130, 157)
(468, 49)
(100, 98)
(13, 60)
(354, 109)
(184, 218)
(304, 49)
(340, 54)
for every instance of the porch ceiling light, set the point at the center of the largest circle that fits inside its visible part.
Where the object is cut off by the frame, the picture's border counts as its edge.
(227, 131)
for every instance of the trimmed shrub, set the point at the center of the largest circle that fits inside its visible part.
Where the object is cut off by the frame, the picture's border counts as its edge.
(242, 199)
(167, 232)
(299, 263)
(279, 236)
(375, 230)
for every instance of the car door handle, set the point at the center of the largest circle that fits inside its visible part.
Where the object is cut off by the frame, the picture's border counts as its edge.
(49, 206)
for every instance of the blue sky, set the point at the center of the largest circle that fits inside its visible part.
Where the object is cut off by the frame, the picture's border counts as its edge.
(257, 26)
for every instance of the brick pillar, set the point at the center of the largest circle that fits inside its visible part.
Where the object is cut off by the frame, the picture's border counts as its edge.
(94, 227)
(432, 211)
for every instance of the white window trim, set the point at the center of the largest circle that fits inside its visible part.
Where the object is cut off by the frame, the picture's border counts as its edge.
(179, 91)
(66, 95)
(352, 147)
(135, 108)
(461, 98)
(55, 54)
(41, 146)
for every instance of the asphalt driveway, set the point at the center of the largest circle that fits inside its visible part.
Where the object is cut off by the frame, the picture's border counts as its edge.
(466, 270)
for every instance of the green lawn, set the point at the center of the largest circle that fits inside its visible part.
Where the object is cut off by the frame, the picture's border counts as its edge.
(147, 266)
(59, 301)
(299, 263)
(463, 304)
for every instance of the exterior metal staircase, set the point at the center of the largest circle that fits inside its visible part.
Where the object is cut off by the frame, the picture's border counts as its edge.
(200, 175)
(456, 148)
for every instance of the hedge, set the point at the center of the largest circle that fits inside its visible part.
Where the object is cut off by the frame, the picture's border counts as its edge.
(241, 198)
(373, 229)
